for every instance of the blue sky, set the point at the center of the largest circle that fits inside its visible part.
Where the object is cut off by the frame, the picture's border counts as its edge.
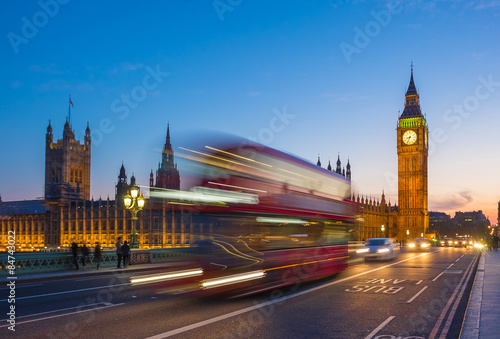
(335, 72)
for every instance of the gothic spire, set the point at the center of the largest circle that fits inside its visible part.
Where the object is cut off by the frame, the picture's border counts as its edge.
(122, 173)
(319, 162)
(412, 101)
(168, 145)
(348, 170)
(339, 167)
(412, 90)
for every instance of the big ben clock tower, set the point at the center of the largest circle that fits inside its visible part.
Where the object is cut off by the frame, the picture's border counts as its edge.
(412, 141)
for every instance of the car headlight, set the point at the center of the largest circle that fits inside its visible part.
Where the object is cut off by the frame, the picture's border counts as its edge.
(363, 250)
(456, 242)
(411, 245)
(425, 245)
(382, 250)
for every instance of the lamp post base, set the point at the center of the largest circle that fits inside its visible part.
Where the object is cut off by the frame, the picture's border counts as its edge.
(134, 243)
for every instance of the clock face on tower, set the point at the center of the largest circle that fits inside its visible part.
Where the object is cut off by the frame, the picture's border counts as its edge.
(409, 137)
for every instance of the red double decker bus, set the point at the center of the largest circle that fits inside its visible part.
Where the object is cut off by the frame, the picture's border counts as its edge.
(270, 219)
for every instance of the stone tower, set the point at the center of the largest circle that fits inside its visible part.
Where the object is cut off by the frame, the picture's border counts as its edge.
(412, 147)
(121, 187)
(67, 165)
(167, 175)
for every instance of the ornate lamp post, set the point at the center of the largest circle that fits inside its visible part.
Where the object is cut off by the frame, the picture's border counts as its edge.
(383, 230)
(134, 202)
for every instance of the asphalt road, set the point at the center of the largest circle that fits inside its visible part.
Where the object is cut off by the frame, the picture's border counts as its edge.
(417, 295)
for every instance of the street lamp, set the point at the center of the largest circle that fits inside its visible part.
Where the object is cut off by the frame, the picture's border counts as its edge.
(383, 230)
(134, 202)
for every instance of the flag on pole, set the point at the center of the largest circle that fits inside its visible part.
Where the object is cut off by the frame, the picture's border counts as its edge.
(71, 101)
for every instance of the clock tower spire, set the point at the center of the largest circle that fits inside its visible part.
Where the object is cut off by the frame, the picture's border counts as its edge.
(412, 147)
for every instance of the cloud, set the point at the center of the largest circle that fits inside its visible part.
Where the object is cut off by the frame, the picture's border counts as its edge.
(254, 93)
(352, 98)
(63, 85)
(49, 69)
(128, 66)
(478, 56)
(414, 26)
(16, 84)
(482, 5)
(453, 202)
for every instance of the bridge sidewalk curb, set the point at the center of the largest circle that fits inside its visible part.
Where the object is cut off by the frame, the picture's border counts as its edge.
(483, 312)
(72, 273)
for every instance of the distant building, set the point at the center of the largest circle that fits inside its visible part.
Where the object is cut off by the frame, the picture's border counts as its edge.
(68, 214)
(67, 165)
(463, 223)
(344, 171)
(412, 147)
(498, 216)
(374, 214)
(167, 174)
(464, 219)
(439, 223)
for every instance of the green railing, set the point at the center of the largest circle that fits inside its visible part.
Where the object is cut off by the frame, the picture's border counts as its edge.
(38, 262)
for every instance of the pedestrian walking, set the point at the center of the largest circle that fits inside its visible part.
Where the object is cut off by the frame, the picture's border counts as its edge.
(125, 253)
(119, 251)
(85, 254)
(97, 255)
(74, 250)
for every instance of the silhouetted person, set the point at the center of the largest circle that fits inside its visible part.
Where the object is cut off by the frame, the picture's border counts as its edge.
(125, 253)
(74, 250)
(489, 242)
(85, 254)
(97, 255)
(495, 242)
(119, 251)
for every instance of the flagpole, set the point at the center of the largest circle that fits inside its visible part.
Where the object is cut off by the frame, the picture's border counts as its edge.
(69, 109)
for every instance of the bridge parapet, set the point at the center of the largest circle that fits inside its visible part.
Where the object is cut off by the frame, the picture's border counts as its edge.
(37, 262)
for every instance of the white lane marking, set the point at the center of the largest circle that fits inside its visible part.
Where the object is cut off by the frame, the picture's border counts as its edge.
(381, 326)
(440, 320)
(450, 266)
(54, 311)
(251, 308)
(20, 285)
(63, 315)
(416, 295)
(65, 292)
(419, 282)
(436, 278)
(92, 278)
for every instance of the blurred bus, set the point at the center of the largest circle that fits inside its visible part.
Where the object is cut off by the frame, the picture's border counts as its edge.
(269, 219)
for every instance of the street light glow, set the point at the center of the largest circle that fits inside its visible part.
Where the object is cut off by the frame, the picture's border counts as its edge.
(134, 204)
(140, 201)
(134, 192)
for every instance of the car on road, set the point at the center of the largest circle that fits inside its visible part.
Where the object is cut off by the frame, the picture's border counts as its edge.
(380, 249)
(447, 242)
(461, 242)
(419, 244)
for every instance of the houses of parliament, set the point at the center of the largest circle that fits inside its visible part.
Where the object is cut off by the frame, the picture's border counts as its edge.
(67, 213)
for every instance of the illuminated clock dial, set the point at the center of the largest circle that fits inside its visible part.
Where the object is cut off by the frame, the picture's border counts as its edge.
(409, 137)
